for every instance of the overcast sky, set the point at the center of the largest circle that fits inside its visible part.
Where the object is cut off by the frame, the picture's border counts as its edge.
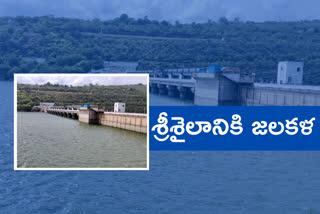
(182, 10)
(76, 80)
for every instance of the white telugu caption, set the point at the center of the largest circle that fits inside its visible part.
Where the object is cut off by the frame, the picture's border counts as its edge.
(222, 127)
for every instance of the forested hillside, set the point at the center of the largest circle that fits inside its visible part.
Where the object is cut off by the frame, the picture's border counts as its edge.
(104, 96)
(74, 45)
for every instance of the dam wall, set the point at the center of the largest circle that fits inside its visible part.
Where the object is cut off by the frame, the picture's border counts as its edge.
(260, 94)
(128, 121)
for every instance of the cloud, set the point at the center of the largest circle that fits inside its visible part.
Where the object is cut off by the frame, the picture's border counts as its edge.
(80, 80)
(182, 10)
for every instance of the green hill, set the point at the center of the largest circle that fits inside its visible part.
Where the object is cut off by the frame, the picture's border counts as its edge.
(74, 45)
(104, 96)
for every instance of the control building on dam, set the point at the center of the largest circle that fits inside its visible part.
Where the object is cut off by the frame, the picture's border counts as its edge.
(215, 85)
(93, 115)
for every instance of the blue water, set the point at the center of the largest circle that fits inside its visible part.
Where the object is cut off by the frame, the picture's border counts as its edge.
(178, 182)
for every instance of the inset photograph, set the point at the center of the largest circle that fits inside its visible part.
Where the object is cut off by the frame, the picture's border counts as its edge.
(81, 122)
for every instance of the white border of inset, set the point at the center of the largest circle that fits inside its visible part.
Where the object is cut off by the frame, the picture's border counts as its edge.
(58, 74)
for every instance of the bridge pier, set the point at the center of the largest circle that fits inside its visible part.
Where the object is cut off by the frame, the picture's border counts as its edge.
(162, 89)
(173, 91)
(74, 116)
(175, 85)
(154, 88)
(185, 93)
(64, 112)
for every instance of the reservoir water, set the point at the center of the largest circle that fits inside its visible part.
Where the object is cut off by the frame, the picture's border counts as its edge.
(46, 141)
(236, 182)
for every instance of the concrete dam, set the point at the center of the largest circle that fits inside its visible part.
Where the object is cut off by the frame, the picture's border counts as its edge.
(215, 86)
(93, 115)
